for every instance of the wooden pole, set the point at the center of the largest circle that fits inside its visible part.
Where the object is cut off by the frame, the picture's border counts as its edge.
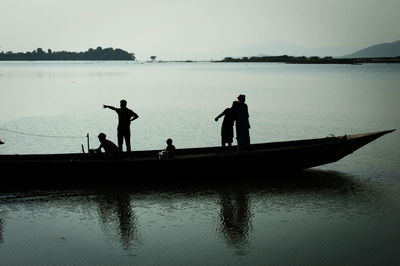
(88, 147)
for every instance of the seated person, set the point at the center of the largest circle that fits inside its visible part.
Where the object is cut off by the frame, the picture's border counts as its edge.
(108, 146)
(169, 151)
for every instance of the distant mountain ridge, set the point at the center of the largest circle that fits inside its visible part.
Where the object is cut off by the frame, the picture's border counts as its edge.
(281, 48)
(379, 50)
(383, 50)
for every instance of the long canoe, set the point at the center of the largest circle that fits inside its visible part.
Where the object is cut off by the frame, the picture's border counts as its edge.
(209, 162)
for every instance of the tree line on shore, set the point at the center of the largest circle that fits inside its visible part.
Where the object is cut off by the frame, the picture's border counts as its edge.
(92, 54)
(118, 54)
(310, 60)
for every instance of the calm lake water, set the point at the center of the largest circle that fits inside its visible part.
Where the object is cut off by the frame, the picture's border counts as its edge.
(343, 213)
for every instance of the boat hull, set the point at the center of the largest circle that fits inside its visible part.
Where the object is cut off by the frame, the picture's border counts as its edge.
(193, 165)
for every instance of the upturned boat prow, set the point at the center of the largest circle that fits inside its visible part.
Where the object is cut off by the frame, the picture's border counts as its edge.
(363, 139)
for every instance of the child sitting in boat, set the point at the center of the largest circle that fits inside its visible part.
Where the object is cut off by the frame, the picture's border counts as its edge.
(109, 147)
(169, 151)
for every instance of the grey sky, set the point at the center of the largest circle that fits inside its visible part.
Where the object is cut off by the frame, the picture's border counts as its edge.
(180, 29)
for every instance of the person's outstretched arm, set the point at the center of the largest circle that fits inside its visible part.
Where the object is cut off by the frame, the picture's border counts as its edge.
(97, 150)
(220, 115)
(109, 107)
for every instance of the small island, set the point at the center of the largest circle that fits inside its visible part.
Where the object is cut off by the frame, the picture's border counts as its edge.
(92, 54)
(309, 60)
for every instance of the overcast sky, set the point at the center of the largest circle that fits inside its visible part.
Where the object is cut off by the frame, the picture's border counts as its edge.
(189, 29)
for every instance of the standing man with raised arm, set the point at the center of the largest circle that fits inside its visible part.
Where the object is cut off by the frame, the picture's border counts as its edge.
(125, 116)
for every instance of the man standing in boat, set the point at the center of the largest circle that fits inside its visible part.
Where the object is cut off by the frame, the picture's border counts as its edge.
(125, 117)
(242, 123)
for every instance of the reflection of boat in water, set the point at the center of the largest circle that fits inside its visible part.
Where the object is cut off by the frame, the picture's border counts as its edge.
(193, 162)
(137, 219)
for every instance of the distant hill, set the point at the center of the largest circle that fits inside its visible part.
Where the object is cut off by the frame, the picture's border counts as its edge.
(281, 48)
(379, 50)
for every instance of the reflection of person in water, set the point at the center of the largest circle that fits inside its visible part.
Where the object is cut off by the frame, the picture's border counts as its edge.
(115, 209)
(1, 231)
(235, 217)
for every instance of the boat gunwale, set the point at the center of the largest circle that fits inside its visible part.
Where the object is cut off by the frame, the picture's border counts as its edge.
(190, 153)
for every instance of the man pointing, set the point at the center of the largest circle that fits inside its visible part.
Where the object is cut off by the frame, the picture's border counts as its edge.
(125, 116)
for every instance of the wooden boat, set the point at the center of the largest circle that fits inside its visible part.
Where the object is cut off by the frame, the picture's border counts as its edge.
(209, 162)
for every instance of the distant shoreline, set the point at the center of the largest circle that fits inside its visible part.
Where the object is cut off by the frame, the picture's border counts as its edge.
(98, 54)
(292, 60)
(320, 62)
(309, 60)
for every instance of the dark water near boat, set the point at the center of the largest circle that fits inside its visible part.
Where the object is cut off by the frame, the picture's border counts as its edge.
(313, 218)
(343, 213)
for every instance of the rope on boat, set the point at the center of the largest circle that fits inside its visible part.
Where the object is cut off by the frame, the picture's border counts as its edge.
(42, 136)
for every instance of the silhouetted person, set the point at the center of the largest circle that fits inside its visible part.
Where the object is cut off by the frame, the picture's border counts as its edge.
(109, 147)
(169, 151)
(125, 116)
(170, 148)
(227, 126)
(242, 124)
